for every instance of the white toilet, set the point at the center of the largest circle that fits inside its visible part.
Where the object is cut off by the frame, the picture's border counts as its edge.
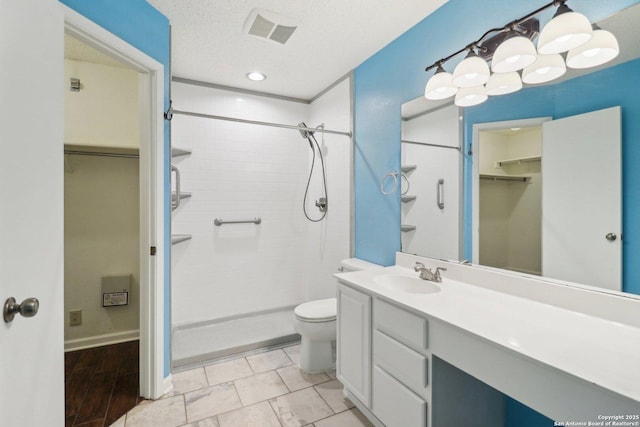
(315, 321)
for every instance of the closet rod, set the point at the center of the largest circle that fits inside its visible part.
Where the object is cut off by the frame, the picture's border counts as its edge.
(432, 145)
(101, 154)
(254, 122)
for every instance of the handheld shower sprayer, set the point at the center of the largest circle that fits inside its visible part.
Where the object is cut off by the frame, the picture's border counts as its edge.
(322, 202)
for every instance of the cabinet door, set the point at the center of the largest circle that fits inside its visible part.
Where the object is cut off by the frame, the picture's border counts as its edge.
(354, 342)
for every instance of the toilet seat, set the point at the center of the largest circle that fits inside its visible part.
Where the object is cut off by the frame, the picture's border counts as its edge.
(318, 311)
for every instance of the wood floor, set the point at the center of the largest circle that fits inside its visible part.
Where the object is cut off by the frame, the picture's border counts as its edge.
(101, 384)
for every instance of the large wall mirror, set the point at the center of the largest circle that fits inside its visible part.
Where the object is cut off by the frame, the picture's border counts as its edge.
(545, 160)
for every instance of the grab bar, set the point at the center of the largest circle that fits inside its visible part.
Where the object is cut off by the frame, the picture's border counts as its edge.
(441, 193)
(220, 221)
(176, 202)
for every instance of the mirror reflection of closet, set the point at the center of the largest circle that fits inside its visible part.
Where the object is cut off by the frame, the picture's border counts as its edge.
(510, 198)
(431, 163)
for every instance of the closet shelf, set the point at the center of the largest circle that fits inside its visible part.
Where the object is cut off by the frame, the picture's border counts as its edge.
(518, 160)
(177, 152)
(407, 227)
(183, 195)
(408, 168)
(406, 199)
(178, 238)
(518, 178)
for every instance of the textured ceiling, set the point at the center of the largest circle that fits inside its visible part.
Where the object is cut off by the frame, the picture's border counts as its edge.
(333, 37)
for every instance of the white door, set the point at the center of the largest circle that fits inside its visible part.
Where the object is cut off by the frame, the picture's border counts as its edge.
(31, 212)
(582, 199)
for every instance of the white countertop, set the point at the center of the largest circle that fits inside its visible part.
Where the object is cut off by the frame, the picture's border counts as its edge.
(600, 351)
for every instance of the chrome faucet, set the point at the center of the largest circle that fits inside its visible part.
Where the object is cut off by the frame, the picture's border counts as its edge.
(427, 274)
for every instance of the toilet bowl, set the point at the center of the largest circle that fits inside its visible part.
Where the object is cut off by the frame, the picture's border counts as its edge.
(315, 321)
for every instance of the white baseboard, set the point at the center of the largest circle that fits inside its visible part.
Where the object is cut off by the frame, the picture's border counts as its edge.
(101, 340)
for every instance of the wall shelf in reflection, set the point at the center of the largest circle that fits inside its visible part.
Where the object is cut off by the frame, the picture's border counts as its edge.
(517, 161)
(406, 227)
(518, 178)
(408, 168)
(178, 238)
(407, 199)
(183, 195)
(177, 152)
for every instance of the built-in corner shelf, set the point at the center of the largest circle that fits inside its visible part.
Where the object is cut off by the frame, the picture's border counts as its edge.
(408, 168)
(406, 227)
(179, 238)
(407, 199)
(519, 160)
(517, 178)
(177, 152)
(183, 195)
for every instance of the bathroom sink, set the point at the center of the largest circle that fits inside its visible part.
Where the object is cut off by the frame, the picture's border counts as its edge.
(411, 285)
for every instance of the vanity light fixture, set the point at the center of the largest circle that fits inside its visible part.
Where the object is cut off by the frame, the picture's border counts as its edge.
(545, 69)
(566, 30)
(511, 48)
(503, 83)
(256, 76)
(440, 86)
(602, 48)
(472, 71)
(470, 96)
(513, 54)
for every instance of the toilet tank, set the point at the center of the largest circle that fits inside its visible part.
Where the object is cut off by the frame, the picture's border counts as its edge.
(355, 264)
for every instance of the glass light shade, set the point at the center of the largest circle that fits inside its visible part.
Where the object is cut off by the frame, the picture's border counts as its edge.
(472, 71)
(564, 32)
(503, 83)
(602, 47)
(545, 69)
(469, 96)
(440, 86)
(513, 54)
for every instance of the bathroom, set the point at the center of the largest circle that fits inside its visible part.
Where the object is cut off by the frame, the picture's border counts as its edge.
(367, 221)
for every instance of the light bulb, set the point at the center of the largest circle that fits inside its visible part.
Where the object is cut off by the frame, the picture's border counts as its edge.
(567, 30)
(602, 48)
(513, 54)
(440, 86)
(545, 69)
(472, 71)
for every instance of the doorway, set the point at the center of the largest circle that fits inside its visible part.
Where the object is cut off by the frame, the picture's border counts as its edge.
(152, 206)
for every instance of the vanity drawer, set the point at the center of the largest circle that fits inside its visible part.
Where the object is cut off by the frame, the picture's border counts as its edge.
(394, 404)
(405, 364)
(406, 327)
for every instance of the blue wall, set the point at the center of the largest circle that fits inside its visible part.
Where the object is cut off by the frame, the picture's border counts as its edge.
(142, 26)
(396, 75)
(606, 88)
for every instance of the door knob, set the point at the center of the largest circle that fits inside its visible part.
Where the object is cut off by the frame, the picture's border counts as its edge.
(28, 308)
(611, 237)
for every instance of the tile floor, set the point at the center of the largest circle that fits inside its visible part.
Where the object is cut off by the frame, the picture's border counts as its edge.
(261, 390)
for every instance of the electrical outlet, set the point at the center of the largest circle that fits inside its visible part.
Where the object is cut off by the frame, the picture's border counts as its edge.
(75, 318)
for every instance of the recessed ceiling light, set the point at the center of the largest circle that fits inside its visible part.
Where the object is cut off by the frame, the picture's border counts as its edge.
(256, 76)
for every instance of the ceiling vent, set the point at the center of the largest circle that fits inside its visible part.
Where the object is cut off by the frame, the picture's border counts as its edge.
(269, 25)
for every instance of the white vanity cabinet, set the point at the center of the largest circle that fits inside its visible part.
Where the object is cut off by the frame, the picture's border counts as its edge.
(400, 386)
(354, 342)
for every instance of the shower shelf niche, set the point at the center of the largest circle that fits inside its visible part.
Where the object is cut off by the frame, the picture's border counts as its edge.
(179, 238)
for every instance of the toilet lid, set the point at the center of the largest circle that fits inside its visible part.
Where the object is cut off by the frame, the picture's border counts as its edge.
(322, 310)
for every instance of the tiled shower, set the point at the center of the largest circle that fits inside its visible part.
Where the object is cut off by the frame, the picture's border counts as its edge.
(234, 286)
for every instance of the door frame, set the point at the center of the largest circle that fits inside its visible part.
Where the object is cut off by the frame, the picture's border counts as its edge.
(153, 384)
(475, 196)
